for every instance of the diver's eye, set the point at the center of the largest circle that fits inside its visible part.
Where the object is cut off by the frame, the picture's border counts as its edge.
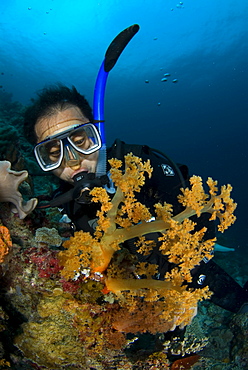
(53, 151)
(80, 140)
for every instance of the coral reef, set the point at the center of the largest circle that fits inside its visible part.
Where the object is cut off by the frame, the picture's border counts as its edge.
(92, 310)
(90, 304)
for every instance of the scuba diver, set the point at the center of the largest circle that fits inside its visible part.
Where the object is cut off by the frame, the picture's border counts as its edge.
(69, 141)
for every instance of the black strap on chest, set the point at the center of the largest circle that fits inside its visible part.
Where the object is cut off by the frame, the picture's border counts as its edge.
(119, 149)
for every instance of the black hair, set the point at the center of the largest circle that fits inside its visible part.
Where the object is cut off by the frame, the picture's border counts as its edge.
(51, 100)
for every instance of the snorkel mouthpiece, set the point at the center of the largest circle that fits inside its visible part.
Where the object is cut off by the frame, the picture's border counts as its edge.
(84, 182)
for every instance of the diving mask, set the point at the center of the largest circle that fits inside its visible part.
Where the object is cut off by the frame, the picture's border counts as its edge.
(84, 138)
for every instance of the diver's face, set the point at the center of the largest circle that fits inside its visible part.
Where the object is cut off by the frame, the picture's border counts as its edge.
(56, 124)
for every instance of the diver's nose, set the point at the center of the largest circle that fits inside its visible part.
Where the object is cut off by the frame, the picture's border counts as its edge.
(71, 158)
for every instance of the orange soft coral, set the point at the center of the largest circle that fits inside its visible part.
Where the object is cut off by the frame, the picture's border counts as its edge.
(96, 253)
(5, 242)
(123, 218)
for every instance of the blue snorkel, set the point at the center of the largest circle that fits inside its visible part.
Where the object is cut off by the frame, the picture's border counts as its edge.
(111, 56)
(98, 101)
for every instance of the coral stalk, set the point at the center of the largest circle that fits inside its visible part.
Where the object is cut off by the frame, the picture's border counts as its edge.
(118, 285)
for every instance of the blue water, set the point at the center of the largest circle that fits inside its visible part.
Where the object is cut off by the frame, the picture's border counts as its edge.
(201, 120)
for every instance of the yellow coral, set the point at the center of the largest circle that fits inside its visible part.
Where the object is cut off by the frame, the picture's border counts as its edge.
(196, 201)
(195, 197)
(5, 242)
(53, 341)
(4, 363)
(131, 215)
(184, 248)
(145, 246)
(123, 218)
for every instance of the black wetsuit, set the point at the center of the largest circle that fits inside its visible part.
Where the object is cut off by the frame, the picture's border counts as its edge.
(164, 186)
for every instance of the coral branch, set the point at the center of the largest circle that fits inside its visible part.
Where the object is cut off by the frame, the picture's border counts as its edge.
(196, 202)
